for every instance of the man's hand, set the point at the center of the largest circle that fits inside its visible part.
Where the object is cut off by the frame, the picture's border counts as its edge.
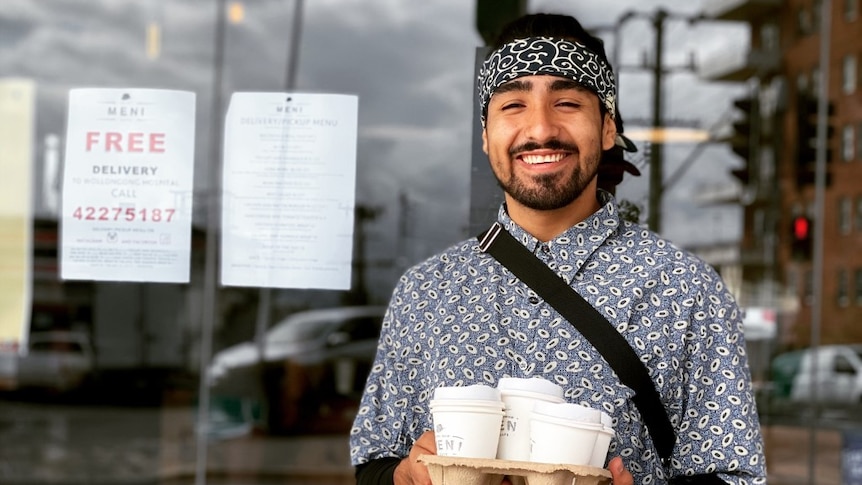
(619, 474)
(410, 471)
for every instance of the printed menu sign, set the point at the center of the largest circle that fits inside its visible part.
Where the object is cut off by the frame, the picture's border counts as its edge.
(288, 199)
(127, 185)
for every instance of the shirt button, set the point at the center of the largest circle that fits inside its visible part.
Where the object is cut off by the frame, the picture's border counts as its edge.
(546, 249)
(534, 300)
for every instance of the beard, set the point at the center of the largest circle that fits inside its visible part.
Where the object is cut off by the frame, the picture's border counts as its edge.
(551, 191)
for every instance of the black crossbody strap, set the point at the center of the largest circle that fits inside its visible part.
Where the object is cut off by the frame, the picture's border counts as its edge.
(591, 324)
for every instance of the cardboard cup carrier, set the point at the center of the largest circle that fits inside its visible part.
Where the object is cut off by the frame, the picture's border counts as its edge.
(521, 430)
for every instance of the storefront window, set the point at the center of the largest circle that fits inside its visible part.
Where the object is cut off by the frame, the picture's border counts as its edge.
(205, 207)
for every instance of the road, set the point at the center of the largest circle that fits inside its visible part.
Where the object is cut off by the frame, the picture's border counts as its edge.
(43, 442)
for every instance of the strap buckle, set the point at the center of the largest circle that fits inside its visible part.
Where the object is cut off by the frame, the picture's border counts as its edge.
(486, 239)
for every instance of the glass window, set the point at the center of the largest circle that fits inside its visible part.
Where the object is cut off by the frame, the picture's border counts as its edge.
(848, 74)
(802, 82)
(769, 37)
(767, 163)
(842, 365)
(793, 283)
(845, 215)
(816, 10)
(848, 143)
(842, 284)
(758, 222)
(859, 141)
(858, 287)
(858, 214)
(158, 376)
(803, 21)
(850, 9)
(816, 80)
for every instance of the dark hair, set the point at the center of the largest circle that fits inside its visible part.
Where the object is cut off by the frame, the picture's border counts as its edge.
(550, 25)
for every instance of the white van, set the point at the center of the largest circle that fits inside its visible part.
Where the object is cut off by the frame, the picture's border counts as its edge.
(836, 377)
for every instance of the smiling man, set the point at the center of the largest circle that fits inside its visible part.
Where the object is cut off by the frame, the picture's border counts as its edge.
(548, 105)
(544, 137)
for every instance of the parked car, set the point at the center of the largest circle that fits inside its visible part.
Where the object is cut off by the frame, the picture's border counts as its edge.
(835, 376)
(57, 360)
(313, 362)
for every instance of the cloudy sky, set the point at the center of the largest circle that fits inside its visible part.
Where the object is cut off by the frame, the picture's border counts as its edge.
(410, 63)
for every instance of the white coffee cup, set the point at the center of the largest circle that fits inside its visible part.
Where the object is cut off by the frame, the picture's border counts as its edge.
(564, 433)
(467, 421)
(603, 441)
(519, 395)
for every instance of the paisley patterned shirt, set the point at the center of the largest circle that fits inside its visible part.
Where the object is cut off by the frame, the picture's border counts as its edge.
(461, 318)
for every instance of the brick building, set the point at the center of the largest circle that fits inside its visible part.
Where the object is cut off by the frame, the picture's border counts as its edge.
(790, 234)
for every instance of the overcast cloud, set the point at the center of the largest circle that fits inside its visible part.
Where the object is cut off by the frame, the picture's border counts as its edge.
(410, 63)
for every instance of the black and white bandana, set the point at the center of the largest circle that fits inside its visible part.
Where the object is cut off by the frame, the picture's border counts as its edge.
(546, 55)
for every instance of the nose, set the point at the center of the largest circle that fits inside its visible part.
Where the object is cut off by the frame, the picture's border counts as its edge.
(541, 124)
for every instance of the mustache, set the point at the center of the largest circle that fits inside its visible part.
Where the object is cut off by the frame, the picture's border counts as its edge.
(553, 144)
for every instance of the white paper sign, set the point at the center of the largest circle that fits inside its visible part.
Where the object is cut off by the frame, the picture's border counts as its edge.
(289, 183)
(127, 185)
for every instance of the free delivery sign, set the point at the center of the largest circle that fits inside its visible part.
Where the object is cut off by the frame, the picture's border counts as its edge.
(127, 185)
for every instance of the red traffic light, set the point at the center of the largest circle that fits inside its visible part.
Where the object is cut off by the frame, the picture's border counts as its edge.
(801, 246)
(801, 228)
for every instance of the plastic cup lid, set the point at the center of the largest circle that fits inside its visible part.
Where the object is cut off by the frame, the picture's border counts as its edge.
(568, 411)
(535, 384)
(449, 404)
(471, 392)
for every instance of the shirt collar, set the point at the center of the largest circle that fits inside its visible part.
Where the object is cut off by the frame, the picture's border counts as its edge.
(574, 246)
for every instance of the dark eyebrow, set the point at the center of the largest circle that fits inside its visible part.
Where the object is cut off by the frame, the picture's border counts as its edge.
(567, 84)
(516, 85)
(523, 85)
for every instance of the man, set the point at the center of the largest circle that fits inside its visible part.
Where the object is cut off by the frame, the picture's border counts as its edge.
(548, 108)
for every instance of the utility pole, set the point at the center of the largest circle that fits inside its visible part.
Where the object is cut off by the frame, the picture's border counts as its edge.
(403, 231)
(656, 170)
(656, 161)
(265, 293)
(208, 312)
(293, 48)
(819, 198)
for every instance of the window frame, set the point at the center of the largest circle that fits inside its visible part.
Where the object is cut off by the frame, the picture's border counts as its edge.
(849, 74)
(845, 215)
(848, 143)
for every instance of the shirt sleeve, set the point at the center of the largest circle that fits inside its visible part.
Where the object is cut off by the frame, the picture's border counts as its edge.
(386, 424)
(377, 472)
(719, 429)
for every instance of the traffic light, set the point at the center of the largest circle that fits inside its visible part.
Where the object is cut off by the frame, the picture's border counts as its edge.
(800, 237)
(743, 140)
(806, 140)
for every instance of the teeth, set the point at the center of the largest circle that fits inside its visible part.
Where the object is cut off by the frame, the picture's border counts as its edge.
(536, 159)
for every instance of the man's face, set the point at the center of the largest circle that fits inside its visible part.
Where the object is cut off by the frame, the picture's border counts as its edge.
(544, 137)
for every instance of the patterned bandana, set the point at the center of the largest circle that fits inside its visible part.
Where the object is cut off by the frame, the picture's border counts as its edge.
(547, 55)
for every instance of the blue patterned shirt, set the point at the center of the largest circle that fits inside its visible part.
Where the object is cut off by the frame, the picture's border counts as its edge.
(461, 318)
